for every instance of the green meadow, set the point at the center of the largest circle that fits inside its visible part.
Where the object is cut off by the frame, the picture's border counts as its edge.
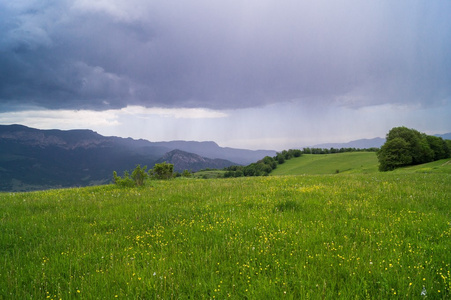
(317, 164)
(334, 236)
(350, 163)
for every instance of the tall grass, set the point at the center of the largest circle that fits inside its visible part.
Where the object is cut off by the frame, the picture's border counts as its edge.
(375, 236)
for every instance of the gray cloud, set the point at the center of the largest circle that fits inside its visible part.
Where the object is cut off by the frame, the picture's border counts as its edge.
(101, 55)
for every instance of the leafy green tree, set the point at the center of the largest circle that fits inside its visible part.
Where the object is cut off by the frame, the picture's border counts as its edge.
(448, 147)
(417, 147)
(129, 181)
(280, 158)
(229, 174)
(186, 173)
(239, 173)
(296, 152)
(439, 146)
(425, 153)
(163, 170)
(287, 154)
(393, 154)
(139, 175)
(267, 160)
(406, 146)
(124, 181)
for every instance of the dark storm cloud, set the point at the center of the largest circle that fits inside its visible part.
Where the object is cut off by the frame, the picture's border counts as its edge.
(107, 54)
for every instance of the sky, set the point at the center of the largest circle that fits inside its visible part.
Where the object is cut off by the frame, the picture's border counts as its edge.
(255, 74)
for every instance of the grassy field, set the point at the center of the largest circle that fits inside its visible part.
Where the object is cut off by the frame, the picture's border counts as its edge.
(209, 174)
(348, 162)
(439, 166)
(355, 236)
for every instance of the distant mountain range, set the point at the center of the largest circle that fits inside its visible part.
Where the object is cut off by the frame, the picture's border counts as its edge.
(445, 136)
(32, 159)
(367, 143)
(192, 162)
(358, 144)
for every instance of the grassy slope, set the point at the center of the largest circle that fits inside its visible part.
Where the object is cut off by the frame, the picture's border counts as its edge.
(440, 166)
(356, 236)
(350, 162)
(209, 174)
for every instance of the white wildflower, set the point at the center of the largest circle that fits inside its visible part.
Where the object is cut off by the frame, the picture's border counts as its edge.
(424, 292)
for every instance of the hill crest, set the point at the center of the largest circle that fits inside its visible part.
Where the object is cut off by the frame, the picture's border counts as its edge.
(192, 162)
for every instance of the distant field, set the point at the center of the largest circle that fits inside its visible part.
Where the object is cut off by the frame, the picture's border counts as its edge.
(314, 164)
(350, 162)
(209, 174)
(352, 236)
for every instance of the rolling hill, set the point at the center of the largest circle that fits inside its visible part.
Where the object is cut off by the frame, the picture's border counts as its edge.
(349, 162)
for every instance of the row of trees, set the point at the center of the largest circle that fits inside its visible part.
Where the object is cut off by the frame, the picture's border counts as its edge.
(336, 150)
(264, 166)
(286, 155)
(404, 147)
(140, 174)
(261, 168)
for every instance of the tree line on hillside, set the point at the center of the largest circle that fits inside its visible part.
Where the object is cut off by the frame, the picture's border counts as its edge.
(140, 174)
(262, 167)
(405, 147)
(265, 166)
(336, 150)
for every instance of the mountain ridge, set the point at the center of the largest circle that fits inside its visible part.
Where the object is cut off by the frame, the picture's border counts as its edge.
(86, 138)
(183, 160)
(32, 159)
(445, 136)
(376, 142)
